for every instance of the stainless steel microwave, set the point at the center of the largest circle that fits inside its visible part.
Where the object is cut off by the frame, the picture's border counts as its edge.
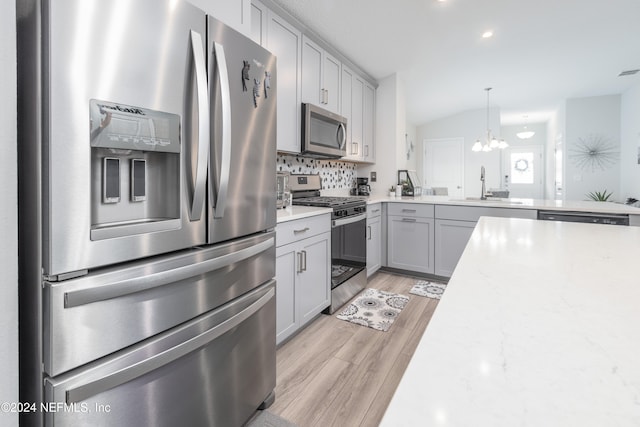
(324, 134)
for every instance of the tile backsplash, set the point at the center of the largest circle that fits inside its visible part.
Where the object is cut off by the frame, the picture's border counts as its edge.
(335, 175)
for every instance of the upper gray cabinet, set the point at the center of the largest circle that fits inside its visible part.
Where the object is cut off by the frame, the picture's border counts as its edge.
(368, 124)
(309, 73)
(358, 106)
(320, 77)
(284, 41)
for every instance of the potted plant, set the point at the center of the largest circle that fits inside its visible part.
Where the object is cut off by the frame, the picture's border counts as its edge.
(600, 196)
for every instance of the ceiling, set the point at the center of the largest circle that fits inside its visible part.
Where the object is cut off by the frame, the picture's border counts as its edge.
(542, 52)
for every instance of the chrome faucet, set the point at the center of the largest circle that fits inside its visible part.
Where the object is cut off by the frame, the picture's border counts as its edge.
(483, 195)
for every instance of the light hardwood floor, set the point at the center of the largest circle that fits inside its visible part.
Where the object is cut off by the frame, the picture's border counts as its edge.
(335, 373)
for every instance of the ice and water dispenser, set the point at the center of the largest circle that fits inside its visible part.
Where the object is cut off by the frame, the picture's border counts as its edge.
(135, 170)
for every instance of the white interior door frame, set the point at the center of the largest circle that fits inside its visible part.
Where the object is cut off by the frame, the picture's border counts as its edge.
(534, 190)
(443, 163)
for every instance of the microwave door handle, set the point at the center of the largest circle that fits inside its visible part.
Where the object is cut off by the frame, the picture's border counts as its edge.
(344, 135)
(91, 388)
(199, 188)
(225, 167)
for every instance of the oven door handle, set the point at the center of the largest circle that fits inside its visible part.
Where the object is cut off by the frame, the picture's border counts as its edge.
(349, 220)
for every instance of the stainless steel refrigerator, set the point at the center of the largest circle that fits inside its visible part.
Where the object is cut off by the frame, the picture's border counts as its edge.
(147, 208)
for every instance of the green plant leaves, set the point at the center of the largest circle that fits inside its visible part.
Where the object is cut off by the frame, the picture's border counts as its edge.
(599, 196)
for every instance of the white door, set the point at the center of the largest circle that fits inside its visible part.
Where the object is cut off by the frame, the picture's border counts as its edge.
(444, 165)
(523, 171)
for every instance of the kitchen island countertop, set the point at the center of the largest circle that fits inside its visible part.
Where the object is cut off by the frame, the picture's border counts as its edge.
(538, 326)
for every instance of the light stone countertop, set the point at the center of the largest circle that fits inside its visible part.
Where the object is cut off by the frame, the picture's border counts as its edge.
(291, 213)
(539, 326)
(539, 204)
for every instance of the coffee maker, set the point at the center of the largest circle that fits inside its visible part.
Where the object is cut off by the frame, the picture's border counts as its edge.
(362, 187)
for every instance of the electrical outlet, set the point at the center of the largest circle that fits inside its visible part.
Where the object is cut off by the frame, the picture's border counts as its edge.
(374, 176)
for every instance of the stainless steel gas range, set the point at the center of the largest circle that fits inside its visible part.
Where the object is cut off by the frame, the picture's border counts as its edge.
(348, 237)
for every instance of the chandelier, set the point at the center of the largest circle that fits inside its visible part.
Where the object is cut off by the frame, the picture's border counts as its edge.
(491, 141)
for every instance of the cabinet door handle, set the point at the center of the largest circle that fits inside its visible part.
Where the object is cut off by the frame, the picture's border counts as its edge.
(304, 260)
(408, 220)
(300, 270)
(366, 150)
(354, 151)
(369, 229)
(302, 230)
(408, 210)
(375, 210)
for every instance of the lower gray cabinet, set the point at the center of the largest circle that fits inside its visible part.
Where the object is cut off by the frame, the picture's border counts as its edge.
(454, 226)
(451, 239)
(374, 238)
(410, 243)
(303, 280)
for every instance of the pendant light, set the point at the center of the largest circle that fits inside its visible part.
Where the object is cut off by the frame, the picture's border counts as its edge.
(491, 141)
(525, 134)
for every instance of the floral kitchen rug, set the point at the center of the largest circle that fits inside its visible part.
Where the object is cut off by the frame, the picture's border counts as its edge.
(375, 309)
(428, 289)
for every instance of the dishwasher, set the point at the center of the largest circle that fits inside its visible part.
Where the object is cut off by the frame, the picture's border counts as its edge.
(588, 217)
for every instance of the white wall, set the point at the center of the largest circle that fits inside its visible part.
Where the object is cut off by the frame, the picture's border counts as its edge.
(469, 125)
(630, 144)
(412, 161)
(598, 115)
(391, 127)
(8, 214)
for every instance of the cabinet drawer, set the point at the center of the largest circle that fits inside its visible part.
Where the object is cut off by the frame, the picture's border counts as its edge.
(292, 231)
(473, 213)
(374, 210)
(410, 210)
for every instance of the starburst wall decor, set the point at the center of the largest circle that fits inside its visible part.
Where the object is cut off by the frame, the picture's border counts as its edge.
(594, 152)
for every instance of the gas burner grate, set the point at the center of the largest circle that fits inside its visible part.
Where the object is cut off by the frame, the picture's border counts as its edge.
(329, 201)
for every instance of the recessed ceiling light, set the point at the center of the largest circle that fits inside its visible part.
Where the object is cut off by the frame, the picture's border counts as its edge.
(487, 34)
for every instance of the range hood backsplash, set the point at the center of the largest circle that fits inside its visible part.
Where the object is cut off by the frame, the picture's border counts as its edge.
(335, 174)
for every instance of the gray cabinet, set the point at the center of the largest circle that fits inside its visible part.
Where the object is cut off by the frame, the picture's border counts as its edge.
(285, 42)
(320, 77)
(454, 226)
(314, 276)
(368, 124)
(303, 272)
(358, 106)
(309, 73)
(410, 243)
(451, 238)
(374, 238)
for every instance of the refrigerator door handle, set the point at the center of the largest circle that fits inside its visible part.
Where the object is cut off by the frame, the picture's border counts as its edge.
(225, 96)
(203, 126)
(129, 286)
(114, 379)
